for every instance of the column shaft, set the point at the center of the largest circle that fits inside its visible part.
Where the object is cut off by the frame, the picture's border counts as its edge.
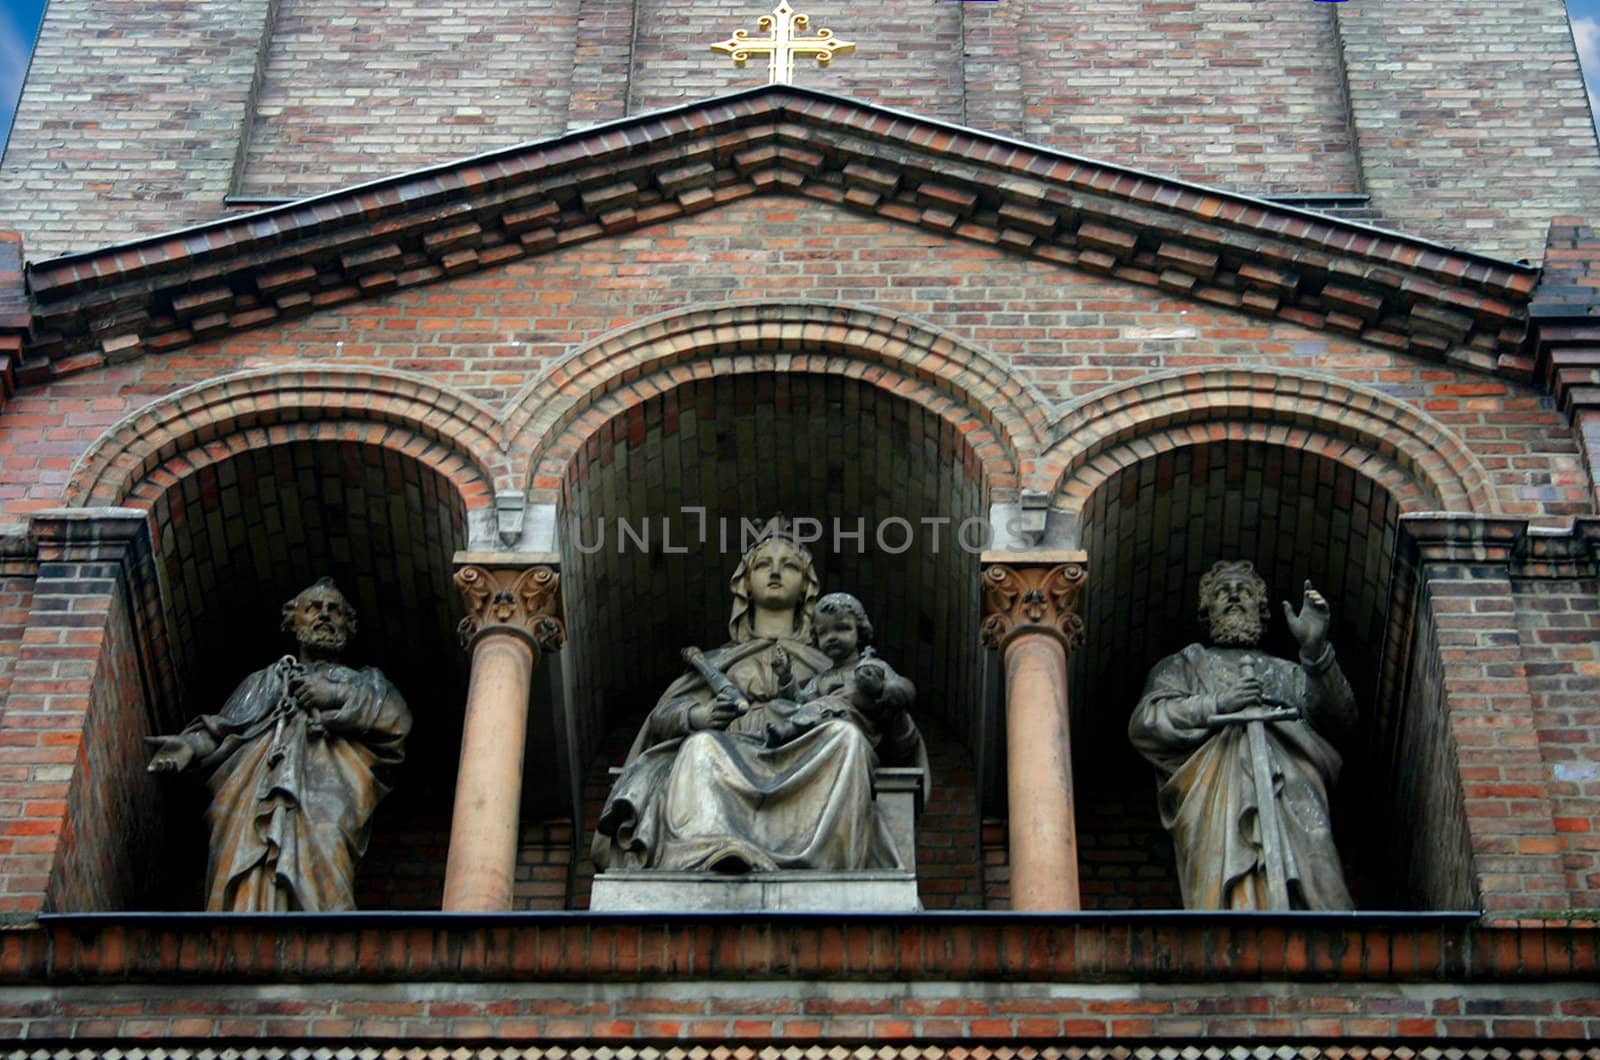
(1044, 835)
(483, 827)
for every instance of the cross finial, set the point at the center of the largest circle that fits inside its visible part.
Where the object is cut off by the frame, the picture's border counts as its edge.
(784, 44)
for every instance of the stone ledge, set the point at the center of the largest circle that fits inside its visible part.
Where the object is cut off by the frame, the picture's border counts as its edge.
(1087, 947)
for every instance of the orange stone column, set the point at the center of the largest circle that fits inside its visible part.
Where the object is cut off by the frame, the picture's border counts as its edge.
(1030, 614)
(513, 614)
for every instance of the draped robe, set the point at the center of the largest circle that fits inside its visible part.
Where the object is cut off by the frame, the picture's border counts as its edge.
(770, 792)
(1207, 791)
(291, 811)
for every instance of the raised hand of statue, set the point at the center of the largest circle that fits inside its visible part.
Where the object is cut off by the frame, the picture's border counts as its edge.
(717, 714)
(1310, 625)
(782, 668)
(175, 754)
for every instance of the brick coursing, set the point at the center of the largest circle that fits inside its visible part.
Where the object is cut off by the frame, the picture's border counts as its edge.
(131, 121)
(1470, 121)
(286, 97)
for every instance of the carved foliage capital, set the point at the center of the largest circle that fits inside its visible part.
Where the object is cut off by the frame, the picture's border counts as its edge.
(1022, 599)
(524, 601)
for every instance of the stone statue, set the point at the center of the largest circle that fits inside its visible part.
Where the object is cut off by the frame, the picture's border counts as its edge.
(730, 774)
(1224, 724)
(858, 685)
(291, 762)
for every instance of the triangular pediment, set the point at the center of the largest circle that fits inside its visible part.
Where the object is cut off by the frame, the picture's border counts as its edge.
(1188, 241)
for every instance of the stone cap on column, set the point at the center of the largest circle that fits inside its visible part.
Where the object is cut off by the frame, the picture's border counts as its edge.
(517, 593)
(1032, 591)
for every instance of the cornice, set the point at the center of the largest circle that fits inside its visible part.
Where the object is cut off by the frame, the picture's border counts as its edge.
(1208, 245)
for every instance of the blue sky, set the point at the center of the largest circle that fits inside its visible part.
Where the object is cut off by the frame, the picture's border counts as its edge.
(19, 20)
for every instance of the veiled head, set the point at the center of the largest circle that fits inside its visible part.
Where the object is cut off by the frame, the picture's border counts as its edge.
(775, 574)
(1233, 601)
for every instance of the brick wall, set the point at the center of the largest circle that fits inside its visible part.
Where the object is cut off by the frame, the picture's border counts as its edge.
(1437, 869)
(1245, 96)
(130, 121)
(1557, 619)
(353, 91)
(82, 833)
(1065, 333)
(116, 836)
(1408, 984)
(1470, 119)
(1469, 125)
(16, 599)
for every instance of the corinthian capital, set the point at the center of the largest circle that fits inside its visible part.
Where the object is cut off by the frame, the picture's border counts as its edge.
(1032, 593)
(524, 600)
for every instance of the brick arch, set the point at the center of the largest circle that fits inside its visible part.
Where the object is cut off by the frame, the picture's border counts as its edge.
(1414, 457)
(1001, 417)
(205, 424)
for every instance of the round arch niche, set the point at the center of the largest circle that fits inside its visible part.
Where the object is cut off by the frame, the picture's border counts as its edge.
(1151, 530)
(237, 538)
(831, 448)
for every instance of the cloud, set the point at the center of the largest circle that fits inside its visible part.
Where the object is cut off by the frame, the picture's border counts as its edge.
(1586, 31)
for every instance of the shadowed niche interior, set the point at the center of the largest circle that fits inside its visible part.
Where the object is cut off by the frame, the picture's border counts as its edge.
(1151, 530)
(836, 450)
(237, 539)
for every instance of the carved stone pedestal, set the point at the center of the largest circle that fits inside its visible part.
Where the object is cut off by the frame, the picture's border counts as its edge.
(802, 890)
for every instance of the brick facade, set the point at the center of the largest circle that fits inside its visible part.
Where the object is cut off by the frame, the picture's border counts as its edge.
(283, 98)
(784, 298)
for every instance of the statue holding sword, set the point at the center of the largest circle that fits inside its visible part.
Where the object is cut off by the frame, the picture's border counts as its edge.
(1239, 741)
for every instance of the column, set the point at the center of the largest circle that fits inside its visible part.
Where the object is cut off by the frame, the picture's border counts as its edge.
(513, 614)
(1030, 614)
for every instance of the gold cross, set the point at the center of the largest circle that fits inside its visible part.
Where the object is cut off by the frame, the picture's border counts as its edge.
(782, 47)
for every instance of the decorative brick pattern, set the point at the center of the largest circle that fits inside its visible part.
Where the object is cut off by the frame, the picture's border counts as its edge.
(975, 394)
(992, 1050)
(1413, 456)
(1021, 335)
(209, 422)
(1237, 254)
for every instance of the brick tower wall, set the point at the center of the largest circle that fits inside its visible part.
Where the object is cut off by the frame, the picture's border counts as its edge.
(1465, 124)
